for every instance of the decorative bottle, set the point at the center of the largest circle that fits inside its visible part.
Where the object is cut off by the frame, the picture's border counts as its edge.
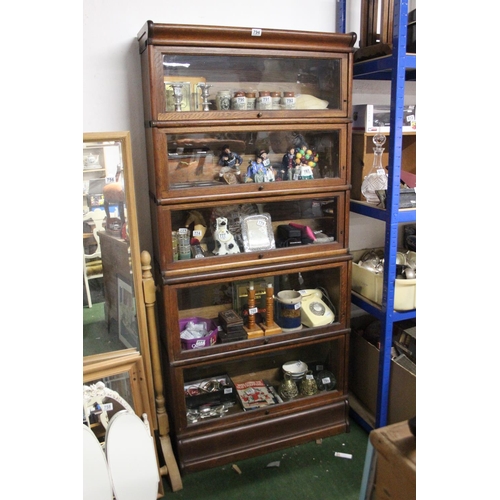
(376, 180)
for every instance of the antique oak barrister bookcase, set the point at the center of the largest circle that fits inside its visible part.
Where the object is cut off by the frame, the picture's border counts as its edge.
(189, 188)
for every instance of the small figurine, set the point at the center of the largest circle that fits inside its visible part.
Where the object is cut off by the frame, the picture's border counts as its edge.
(268, 168)
(269, 175)
(224, 241)
(230, 166)
(288, 164)
(265, 160)
(229, 159)
(256, 170)
(305, 160)
(197, 227)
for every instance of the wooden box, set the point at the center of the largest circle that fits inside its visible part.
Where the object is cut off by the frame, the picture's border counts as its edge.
(396, 462)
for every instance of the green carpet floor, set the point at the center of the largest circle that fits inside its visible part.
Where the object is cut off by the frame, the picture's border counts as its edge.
(96, 338)
(306, 472)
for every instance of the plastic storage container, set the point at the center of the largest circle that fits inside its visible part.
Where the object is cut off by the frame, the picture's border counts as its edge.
(370, 285)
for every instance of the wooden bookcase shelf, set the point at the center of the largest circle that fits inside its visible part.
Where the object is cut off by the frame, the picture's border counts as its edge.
(189, 189)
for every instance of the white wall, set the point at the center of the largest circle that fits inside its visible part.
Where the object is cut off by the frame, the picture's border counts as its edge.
(112, 93)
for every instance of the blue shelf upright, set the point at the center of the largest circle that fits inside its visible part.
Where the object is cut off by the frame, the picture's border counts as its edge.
(399, 67)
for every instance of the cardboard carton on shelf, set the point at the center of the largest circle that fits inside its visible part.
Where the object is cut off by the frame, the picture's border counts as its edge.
(376, 118)
(363, 377)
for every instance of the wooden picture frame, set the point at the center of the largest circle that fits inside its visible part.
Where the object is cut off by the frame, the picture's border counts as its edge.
(132, 366)
(123, 139)
(126, 376)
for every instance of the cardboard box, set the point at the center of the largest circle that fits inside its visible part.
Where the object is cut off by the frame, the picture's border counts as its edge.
(363, 381)
(370, 285)
(376, 118)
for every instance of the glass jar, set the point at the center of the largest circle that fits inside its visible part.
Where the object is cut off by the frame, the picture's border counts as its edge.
(308, 386)
(288, 388)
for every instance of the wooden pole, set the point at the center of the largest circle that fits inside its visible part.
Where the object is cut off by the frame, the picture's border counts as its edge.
(171, 469)
(252, 330)
(270, 327)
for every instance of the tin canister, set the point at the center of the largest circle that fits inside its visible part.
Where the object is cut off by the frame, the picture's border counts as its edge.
(184, 243)
(288, 313)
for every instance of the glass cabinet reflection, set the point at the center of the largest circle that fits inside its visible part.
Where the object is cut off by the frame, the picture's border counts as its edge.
(202, 235)
(110, 315)
(223, 161)
(208, 159)
(244, 83)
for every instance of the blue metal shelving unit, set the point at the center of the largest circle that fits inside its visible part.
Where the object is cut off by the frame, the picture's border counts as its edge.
(398, 67)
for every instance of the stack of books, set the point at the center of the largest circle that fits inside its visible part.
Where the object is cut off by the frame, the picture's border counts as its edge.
(231, 324)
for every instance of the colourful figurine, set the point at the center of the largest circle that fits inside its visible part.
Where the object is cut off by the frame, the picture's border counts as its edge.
(305, 160)
(256, 170)
(265, 160)
(268, 168)
(229, 159)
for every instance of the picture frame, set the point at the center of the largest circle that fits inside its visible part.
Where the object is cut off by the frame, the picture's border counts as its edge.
(127, 322)
(257, 232)
(124, 375)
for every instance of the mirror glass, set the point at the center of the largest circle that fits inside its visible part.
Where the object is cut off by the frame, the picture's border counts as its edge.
(112, 314)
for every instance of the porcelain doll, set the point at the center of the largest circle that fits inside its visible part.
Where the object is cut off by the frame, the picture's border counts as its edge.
(256, 170)
(288, 164)
(228, 158)
(269, 171)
